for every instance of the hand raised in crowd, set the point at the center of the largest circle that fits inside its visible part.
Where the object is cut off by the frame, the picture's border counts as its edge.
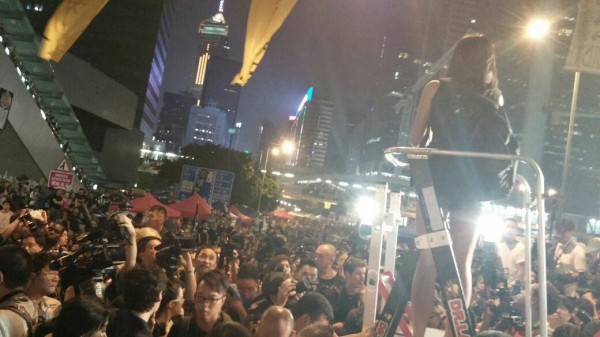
(186, 261)
(286, 290)
(125, 222)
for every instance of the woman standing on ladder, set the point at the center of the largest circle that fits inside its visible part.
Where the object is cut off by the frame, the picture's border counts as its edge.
(472, 71)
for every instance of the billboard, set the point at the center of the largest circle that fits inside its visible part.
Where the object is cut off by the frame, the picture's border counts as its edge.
(213, 185)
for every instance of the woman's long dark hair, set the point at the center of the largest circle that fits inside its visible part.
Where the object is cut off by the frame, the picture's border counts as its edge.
(474, 57)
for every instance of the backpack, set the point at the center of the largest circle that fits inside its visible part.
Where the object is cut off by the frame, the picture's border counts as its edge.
(473, 123)
(17, 309)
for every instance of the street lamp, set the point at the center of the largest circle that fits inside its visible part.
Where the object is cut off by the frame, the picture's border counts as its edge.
(287, 147)
(538, 29)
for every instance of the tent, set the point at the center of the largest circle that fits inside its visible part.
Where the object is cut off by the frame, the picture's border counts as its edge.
(187, 207)
(243, 218)
(281, 215)
(143, 204)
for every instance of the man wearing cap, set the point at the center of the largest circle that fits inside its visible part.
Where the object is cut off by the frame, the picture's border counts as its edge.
(569, 257)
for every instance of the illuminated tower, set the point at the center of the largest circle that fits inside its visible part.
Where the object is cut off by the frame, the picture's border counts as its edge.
(214, 42)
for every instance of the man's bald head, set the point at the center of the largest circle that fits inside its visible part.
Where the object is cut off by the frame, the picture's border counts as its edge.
(276, 321)
(326, 255)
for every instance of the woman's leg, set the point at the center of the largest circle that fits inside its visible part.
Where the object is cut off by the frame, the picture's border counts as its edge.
(464, 234)
(423, 284)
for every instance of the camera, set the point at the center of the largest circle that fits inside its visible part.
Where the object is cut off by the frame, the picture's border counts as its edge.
(306, 285)
(168, 252)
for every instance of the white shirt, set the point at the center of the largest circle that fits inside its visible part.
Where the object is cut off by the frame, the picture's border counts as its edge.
(511, 258)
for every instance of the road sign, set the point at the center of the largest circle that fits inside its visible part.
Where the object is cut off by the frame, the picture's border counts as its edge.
(213, 185)
(63, 166)
(60, 179)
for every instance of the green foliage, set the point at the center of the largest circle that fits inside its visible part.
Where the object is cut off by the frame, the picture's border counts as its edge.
(247, 181)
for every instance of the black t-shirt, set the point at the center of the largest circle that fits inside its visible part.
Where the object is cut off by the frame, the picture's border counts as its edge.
(345, 303)
(332, 288)
(187, 327)
(123, 323)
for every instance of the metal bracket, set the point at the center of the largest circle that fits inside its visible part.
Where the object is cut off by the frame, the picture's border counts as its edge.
(433, 240)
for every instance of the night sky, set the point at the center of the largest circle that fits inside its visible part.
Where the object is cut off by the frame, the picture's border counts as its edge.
(333, 45)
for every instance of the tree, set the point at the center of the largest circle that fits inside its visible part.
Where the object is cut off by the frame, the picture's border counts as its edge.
(247, 181)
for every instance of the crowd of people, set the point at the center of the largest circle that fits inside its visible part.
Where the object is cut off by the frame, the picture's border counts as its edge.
(73, 264)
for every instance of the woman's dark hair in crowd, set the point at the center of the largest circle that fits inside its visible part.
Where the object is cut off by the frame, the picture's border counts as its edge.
(141, 287)
(230, 329)
(472, 60)
(216, 280)
(171, 292)
(79, 317)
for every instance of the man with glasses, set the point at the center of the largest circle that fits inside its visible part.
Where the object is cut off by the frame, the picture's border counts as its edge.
(208, 304)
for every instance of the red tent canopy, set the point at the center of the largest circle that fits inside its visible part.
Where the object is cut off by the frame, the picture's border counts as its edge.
(236, 212)
(143, 204)
(283, 215)
(187, 207)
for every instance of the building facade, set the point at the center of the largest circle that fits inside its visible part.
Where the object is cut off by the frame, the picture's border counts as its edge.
(206, 125)
(151, 109)
(311, 131)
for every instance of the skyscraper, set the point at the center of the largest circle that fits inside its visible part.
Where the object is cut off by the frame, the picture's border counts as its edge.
(173, 121)
(213, 41)
(311, 131)
(151, 110)
(206, 125)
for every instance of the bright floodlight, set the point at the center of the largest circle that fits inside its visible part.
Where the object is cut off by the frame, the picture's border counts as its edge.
(552, 192)
(366, 209)
(537, 29)
(287, 147)
(490, 226)
(275, 151)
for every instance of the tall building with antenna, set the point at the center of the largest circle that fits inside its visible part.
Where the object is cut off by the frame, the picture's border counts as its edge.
(213, 34)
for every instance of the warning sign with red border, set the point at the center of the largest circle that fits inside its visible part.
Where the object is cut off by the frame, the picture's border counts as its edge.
(61, 177)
